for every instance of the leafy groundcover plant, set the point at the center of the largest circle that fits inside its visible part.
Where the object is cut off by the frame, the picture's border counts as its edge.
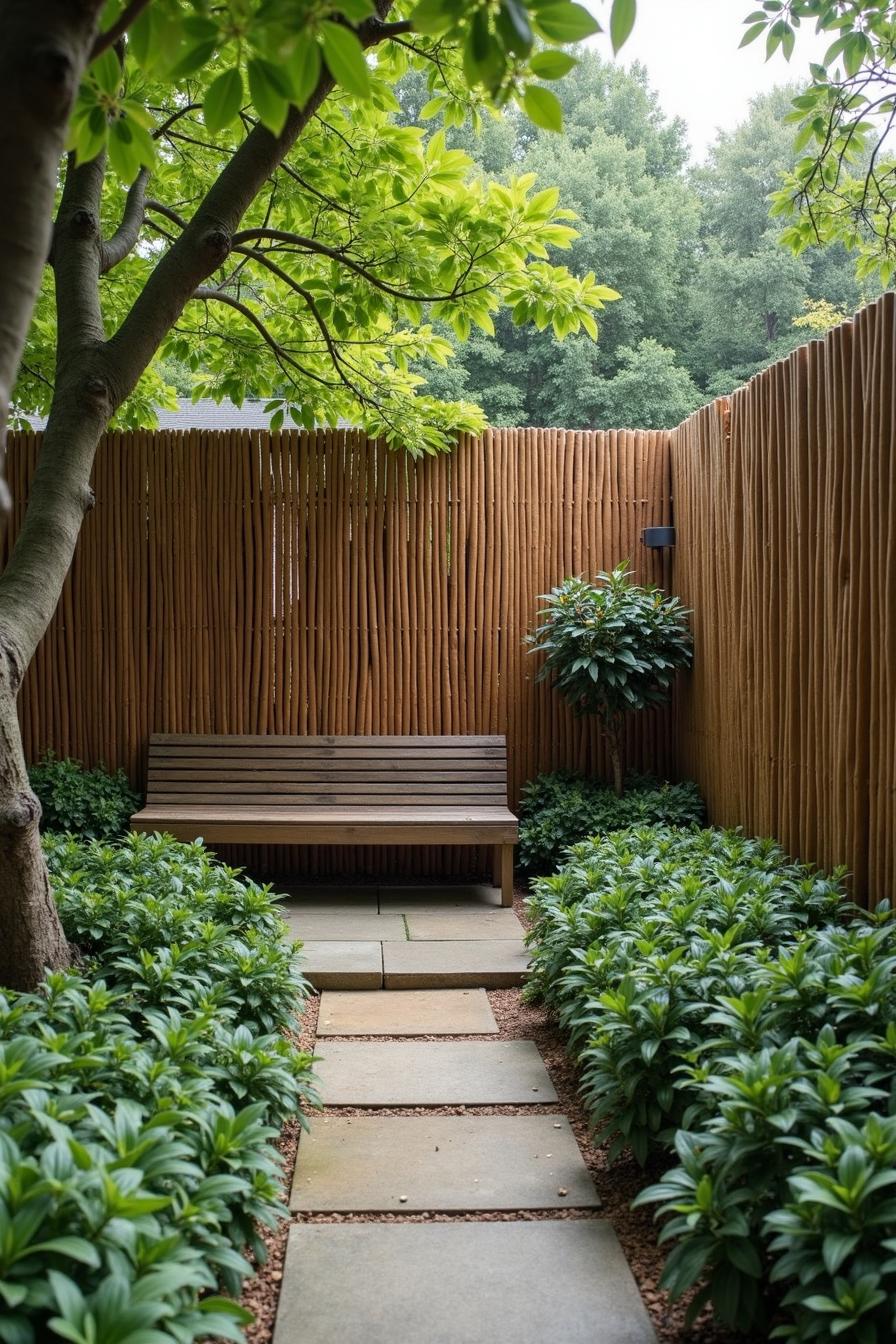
(730, 1007)
(91, 804)
(140, 1097)
(560, 808)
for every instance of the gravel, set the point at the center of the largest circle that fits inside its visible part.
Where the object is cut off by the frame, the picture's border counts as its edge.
(617, 1186)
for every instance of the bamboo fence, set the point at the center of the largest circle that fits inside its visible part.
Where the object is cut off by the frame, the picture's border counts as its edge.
(317, 583)
(785, 508)
(293, 582)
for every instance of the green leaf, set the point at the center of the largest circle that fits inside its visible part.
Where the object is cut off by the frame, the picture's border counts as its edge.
(754, 31)
(130, 148)
(304, 69)
(223, 100)
(200, 39)
(543, 108)
(356, 10)
(565, 23)
(434, 17)
(106, 72)
(266, 90)
(622, 21)
(344, 56)
(551, 64)
(513, 28)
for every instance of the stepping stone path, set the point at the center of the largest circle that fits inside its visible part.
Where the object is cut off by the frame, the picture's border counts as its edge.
(407, 1012)
(459, 1283)
(500, 1277)
(408, 938)
(433, 1073)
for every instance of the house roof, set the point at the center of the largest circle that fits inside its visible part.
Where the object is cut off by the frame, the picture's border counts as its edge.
(206, 414)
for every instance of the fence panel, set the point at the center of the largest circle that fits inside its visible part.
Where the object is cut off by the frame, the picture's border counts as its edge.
(785, 505)
(295, 582)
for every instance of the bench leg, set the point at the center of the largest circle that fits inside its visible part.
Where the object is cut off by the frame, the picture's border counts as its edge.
(502, 871)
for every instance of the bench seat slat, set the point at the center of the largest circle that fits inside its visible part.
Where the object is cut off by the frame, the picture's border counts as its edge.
(377, 743)
(161, 774)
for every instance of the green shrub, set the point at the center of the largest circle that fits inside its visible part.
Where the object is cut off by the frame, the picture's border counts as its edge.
(139, 1099)
(758, 1116)
(611, 647)
(730, 1006)
(562, 808)
(92, 804)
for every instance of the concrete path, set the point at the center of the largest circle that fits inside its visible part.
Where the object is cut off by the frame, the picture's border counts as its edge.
(461, 1280)
(406, 937)
(546, 1282)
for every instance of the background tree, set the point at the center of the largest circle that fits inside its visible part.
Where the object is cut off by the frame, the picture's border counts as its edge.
(238, 196)
(620, 166)
(694, 252)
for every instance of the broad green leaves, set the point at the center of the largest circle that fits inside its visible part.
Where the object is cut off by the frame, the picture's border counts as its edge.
(345, 59)
(844, 119)
(224, 99)
(543, 108)
(263, 57)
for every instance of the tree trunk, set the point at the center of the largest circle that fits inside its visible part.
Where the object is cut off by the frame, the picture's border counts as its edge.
(44, 48)
(613, 734)
(93, 377)
(31, 937)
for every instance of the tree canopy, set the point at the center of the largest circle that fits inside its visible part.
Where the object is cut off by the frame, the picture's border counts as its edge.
(709, 293)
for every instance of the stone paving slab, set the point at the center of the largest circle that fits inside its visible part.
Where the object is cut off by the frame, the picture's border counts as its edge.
(432, 1073)
(434, 925)
(328, 893)
(342, 965)
(441, 1163)
(459, 1283)
(490, 963)
(343, 926)
(315, 904)
(406, 1012)
(401, 900)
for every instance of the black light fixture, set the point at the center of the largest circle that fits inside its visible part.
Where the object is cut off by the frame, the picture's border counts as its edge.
(658, 536)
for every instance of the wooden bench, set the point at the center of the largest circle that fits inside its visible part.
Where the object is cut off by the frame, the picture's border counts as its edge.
(333, 791)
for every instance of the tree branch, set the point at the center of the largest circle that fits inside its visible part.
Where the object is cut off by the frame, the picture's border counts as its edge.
(208, 237)
(282, 355)
(306, 244)
(124, 239)
(159, 208)
(103, 41)
(77, 249)
(311, 304)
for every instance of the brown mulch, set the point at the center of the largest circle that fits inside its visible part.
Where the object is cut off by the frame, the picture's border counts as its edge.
(616, 1185)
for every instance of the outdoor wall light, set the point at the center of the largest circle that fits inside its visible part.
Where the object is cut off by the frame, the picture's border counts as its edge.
(658, 536)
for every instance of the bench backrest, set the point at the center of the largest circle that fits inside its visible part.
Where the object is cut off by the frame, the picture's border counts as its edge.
(272, 771)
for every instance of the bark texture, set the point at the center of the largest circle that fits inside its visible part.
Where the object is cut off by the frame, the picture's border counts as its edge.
(31, 939)
(44, 49)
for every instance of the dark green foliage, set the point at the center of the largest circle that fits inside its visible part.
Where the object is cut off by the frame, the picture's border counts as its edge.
(140, 1097)
(730, 1006)
(611, 646)
(92, 804)
(563, 808)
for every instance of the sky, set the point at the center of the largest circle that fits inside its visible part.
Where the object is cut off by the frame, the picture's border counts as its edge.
(690, 48)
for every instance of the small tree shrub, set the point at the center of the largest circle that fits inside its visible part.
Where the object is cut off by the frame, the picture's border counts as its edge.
(611, 647)
(723, 1009)
(140, 1097)
(562, 808)
(91, 804)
